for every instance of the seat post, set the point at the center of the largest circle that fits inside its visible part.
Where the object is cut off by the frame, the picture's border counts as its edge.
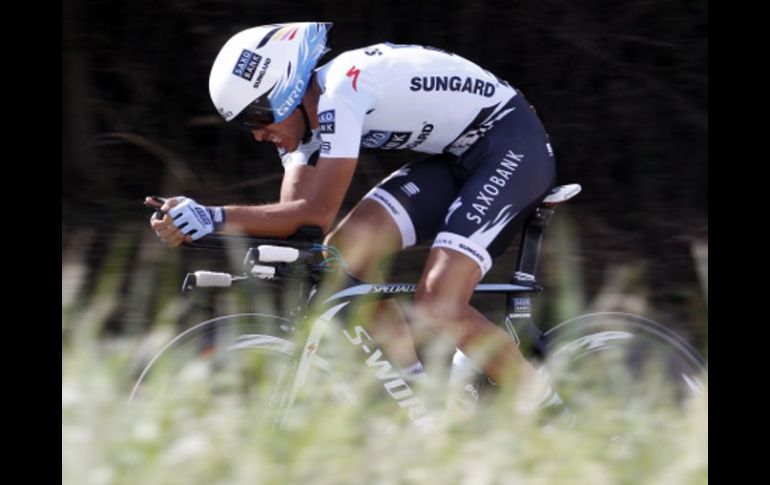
(531, 241)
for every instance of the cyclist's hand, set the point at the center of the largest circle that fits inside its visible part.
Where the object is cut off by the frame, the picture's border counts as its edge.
(195, 220)
(185, 220)
(164, 226)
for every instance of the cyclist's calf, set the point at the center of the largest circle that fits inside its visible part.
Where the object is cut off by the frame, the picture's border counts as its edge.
(443, 305)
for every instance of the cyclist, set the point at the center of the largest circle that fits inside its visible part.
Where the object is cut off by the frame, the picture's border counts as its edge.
(488, 164)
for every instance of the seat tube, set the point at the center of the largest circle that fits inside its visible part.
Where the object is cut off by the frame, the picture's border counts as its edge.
(518, 316)
(519, 322)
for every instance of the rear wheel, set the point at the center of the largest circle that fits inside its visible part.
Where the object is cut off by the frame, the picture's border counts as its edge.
(620, 361)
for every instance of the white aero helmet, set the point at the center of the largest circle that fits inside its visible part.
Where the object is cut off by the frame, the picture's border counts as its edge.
(261, 74)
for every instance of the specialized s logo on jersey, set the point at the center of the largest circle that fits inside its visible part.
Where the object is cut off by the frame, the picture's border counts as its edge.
(247, 64)
(326, 121)
(353, 73)
(386, 140)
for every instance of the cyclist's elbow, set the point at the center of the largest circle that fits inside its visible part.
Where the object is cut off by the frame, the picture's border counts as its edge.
(320, 216)
(326, 221)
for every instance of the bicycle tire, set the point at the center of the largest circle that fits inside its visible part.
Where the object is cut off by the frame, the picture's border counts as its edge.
(221, 345)
(624, 358)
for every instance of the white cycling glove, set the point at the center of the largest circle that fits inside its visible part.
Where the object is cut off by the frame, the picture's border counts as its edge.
(196, 220)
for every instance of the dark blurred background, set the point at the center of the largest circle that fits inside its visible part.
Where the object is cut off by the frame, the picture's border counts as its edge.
(621, 87)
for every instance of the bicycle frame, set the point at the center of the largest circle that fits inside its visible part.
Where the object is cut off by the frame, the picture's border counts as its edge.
(335, 306)
(570, 340)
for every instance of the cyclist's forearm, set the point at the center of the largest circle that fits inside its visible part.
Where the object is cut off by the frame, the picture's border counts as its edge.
(280, 219)
(297, 183)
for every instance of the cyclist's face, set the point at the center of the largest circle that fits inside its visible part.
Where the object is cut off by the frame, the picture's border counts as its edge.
(286, 134)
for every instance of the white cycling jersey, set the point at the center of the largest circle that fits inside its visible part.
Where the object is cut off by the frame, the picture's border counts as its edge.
(397, 97)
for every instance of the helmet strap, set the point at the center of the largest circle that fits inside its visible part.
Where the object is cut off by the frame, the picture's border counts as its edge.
(308, 132)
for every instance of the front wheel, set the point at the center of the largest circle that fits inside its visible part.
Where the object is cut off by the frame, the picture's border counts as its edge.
(246, 355)
(623, 361)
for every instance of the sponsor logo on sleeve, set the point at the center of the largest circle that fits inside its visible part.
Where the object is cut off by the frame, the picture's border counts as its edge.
(247, 64)
(326, 121)
(385, 140)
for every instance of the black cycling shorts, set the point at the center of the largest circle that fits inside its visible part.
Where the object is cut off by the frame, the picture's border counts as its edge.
(476, 211)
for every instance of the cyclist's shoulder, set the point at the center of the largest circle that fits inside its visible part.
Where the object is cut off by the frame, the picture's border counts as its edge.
(373, 68)
(369, 74)
(353, 76)
(341, 67)
(385, 60)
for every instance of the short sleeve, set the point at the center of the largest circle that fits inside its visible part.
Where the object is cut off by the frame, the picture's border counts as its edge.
(345, 101)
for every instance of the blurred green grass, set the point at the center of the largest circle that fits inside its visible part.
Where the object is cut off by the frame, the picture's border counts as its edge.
(193, 437)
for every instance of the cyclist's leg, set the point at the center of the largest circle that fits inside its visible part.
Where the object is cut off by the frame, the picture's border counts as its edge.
(509, 170)
(443, 305)
(405, 208)
(366, 236)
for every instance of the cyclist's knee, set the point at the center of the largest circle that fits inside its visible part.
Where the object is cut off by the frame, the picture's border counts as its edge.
(364, 241)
